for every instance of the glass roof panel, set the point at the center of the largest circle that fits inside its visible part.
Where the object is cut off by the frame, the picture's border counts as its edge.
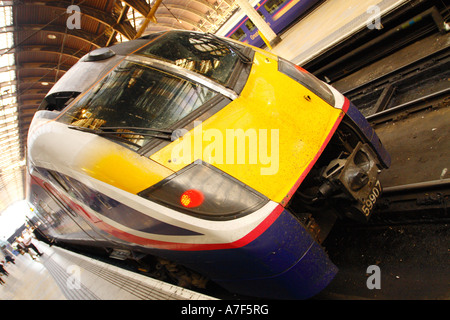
(11, 163)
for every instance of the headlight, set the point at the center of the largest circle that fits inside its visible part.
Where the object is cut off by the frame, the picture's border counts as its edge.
(204, 191)
(306, 79)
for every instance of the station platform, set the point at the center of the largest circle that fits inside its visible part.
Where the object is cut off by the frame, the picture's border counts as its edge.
(328, 25)
(60, 274)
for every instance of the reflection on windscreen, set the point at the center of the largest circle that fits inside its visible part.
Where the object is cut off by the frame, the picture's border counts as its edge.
(136, 95)
(196, 52)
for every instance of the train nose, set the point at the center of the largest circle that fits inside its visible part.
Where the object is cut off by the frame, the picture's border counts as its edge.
(299, 267)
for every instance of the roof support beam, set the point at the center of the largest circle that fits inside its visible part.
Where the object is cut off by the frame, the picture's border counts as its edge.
(28, 107)
(32, 92)
(36, 80)
(122, 16)
(180, 19)
(43, 66)
(125, 28)
(206, 4)
(139, 5)
(51, 49)
(149, 17)
(93, 39)
(185, 8)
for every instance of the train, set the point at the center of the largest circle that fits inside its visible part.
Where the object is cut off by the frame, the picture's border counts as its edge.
(278, 14)
(203, 155)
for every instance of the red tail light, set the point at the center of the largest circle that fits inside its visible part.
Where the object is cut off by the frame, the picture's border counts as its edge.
(192, 198)
(203, 191)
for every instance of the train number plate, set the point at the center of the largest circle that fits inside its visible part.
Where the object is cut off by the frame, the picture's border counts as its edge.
(369, 203)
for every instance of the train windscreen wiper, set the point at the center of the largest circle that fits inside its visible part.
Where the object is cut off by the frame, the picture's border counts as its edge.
(244, 58)
(163, 134)
(132, 129)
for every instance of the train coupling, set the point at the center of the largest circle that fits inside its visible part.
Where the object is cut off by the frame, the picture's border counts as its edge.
(356, 176)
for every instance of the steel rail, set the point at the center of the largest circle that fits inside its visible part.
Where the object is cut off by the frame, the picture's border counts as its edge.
(410, 106)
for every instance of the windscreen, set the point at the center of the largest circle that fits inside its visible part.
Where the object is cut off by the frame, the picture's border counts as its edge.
(201, 53)
(136, 95)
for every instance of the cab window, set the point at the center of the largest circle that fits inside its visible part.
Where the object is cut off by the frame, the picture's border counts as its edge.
(196, 52)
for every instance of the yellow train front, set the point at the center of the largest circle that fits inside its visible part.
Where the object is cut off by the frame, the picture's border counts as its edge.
(201, 151)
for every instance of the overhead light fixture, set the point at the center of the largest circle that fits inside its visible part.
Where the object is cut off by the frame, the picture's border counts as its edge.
(51, 36)
(44, 83)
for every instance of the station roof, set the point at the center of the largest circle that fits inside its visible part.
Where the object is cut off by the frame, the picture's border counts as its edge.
(41, 39)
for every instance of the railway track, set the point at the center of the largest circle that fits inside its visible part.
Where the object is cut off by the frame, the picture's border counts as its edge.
(415, 203)
(407, 88)
(419, 201)
(434, 100)
(422, 199)
(405, 96)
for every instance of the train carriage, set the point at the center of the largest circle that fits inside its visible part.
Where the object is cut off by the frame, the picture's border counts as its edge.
(213, 155)
(278, 14)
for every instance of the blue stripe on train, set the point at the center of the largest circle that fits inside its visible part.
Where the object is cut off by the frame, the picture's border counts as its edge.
(370, 134)
(284, 262)
(253, 38)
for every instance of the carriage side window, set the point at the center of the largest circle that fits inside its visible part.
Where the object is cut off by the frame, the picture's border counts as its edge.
(249, 23)
(238, 35)
(272, 5)
(196, 52)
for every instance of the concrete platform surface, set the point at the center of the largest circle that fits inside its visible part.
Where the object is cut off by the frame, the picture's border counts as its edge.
(64, 275)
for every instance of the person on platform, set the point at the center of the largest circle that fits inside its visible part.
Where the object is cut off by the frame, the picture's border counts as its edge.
(9, 257)
(28, 242)
(2, 268)
(23, 249)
